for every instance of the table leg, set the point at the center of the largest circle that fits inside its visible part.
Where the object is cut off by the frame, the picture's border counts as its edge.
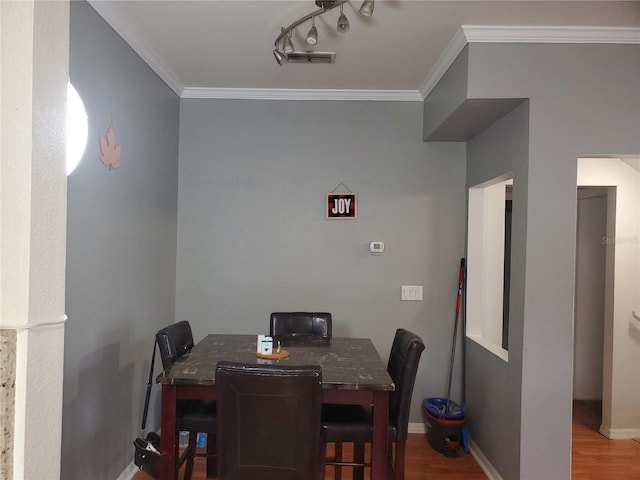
(168, 439)
(379, 465)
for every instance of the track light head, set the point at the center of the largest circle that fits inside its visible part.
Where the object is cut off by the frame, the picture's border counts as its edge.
(343, 22)
(312, 36)
(280, 57)
(287, 45)
(367, 8)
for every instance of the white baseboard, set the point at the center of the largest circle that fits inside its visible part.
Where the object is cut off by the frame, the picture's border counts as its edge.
(483, 462)
(128, 472)
(620, 433)
(416, 428)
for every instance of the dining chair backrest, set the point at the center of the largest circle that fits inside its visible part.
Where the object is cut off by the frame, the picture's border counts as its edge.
(403, 363)
(174, 341)
(194, 415)
(269, 422)
(300, 327)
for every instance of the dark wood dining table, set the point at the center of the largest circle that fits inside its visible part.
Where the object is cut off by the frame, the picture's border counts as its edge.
(352, 373)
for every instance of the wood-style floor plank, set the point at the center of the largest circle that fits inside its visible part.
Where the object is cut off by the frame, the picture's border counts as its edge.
(421, 461)
(594, 457)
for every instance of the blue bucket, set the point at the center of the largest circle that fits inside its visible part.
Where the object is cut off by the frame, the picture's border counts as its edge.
(441, 408)
(201, 442)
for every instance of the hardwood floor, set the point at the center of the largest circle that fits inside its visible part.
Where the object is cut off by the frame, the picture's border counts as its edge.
(421, 461)
(594, 457)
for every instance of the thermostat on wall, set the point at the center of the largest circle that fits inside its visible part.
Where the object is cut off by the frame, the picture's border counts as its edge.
(376, 248)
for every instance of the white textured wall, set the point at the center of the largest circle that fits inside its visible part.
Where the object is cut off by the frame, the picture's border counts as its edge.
(35, 38)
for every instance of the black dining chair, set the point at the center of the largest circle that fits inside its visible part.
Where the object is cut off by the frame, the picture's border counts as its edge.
(269, 422)
(192, 416)
(300, 328)
(353, 423)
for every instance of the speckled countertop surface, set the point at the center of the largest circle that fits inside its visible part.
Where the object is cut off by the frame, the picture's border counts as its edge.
(347, 363)
(8, 349)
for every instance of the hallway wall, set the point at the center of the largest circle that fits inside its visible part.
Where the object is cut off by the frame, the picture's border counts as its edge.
(590, 295)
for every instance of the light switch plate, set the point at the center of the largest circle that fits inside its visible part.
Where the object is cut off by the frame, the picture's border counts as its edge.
(411, 292)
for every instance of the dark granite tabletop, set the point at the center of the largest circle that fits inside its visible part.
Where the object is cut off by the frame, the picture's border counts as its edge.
(347, 363)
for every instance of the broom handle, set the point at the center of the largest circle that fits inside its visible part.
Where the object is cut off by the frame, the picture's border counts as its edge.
(455, 330)
(149, 384)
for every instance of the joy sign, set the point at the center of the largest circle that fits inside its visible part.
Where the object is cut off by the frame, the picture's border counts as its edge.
(341, 205)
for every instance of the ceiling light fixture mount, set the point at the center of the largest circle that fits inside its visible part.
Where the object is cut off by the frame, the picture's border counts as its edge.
(328, 4)
(284, 51)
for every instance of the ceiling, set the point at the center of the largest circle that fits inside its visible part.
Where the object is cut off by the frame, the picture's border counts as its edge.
(223, 48)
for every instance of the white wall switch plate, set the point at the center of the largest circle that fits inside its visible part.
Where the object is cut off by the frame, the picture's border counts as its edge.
(411, 292)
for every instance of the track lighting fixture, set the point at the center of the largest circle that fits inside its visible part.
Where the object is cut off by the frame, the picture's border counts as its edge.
(284, 51)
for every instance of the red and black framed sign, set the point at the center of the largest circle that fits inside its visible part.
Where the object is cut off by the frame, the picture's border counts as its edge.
(341, 206)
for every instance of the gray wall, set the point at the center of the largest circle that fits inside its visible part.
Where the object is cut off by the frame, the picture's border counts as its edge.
(121, 244)
(252, 237)
(590, 294)
(493, 394)
(252, 233)
(583, 100)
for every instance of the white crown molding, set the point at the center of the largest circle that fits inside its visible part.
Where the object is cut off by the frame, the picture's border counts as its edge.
(522, 34)
(457, 43)
(503, 34)
(303, 94)
(129, 35)
(465, 35)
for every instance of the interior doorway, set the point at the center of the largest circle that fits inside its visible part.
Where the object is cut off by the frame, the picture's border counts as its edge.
(614, 186)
